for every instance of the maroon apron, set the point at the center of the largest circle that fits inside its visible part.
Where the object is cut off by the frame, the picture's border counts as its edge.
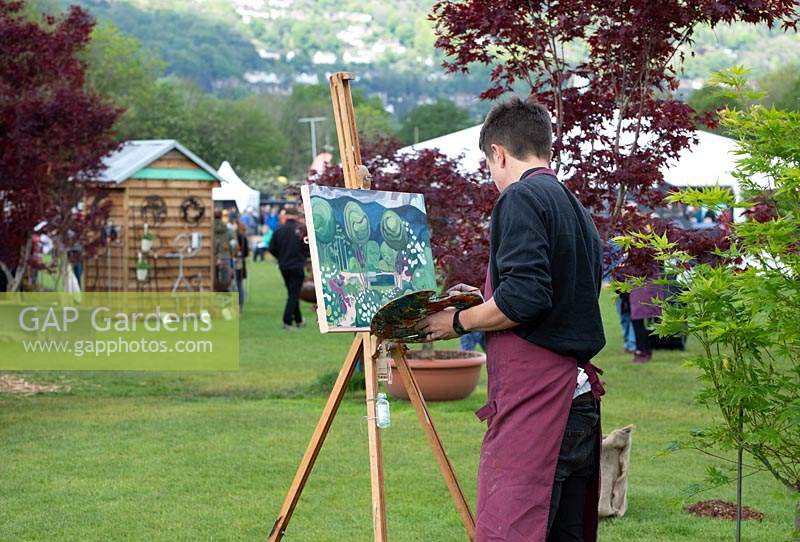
(530, 394)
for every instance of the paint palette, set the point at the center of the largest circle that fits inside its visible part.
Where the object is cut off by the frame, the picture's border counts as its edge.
(398, 319)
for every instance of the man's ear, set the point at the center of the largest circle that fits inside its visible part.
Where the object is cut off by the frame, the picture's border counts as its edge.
(499, 155)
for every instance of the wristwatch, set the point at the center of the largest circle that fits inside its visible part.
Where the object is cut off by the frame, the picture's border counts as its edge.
(457, 327)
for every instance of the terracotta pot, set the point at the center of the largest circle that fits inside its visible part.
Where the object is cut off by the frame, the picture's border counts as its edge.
(451, 376)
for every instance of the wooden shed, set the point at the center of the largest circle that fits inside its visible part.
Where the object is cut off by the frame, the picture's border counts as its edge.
(159, 187)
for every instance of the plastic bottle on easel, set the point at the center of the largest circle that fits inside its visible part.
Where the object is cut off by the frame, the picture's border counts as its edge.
(382, 415)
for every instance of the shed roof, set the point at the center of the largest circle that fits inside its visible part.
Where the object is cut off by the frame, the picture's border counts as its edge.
(134, 155)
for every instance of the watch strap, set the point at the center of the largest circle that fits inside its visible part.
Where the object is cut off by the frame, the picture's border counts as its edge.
(457, 327)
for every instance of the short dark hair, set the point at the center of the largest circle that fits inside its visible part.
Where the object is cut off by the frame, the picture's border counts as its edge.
(522, 127)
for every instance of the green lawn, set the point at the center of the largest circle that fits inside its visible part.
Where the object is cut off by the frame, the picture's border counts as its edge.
(189, 456)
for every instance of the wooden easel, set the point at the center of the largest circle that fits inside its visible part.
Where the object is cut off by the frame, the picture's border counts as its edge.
(362, 348)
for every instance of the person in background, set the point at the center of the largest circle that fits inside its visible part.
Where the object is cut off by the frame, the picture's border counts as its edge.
(642, 310)
(224, 241)
(472, 340)
(75, 256)
(272, 219)
(263, 244)
(623, 305)
(248, 220)
(240, 261)
(289, 249)
(615, 258)
(253, 230)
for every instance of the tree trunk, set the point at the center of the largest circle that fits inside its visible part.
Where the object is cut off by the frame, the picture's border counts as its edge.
(739, 466)
(797, 521)
(14, 277)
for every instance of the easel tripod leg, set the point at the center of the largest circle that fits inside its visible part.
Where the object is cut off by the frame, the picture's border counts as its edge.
(375, 453)
(425, 420)
(317, 439)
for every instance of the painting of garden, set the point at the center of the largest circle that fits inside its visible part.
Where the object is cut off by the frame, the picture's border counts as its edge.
(367, 248)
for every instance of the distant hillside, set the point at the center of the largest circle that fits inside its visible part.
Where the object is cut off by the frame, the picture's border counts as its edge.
(194, 45)
(239, 46)
(760, 49)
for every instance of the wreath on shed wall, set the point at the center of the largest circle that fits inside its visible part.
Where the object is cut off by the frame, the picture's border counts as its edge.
(192, 211)
(154, 209)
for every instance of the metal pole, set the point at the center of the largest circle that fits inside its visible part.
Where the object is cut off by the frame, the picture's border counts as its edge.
(313, 141)
(312, 121)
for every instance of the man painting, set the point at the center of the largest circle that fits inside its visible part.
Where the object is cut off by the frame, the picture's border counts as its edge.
(538, 477)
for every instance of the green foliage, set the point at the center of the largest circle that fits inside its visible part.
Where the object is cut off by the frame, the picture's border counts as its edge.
(373, 121)
(764, 49)
(203, 50)
(781, 87)
(433, 120)
(240, 131)
(118, 65)
(215, 129)
(744, 311)
(305, 101)
(710, 99)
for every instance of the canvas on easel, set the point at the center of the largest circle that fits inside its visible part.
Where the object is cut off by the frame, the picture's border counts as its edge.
(368, 247)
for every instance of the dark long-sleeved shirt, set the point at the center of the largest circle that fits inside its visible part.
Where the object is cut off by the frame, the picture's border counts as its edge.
(287, 247)
(546, 266)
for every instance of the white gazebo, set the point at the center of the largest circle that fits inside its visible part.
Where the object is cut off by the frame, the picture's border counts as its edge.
(233, 188)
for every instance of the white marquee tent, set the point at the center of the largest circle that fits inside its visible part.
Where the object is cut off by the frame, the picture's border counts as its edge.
(707, 163)
(235, 189)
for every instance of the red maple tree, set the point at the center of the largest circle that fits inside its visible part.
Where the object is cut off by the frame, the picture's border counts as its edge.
(606, 70)
(54, 132)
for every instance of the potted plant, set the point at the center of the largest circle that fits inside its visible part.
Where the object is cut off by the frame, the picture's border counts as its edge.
(442, 375)
(147, 240)
(458, 206)
(142, 267)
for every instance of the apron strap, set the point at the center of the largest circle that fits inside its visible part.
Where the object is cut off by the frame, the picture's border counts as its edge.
(598, 390)
(486, 411)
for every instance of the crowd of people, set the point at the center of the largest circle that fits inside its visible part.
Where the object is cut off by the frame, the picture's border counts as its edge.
(274, 231)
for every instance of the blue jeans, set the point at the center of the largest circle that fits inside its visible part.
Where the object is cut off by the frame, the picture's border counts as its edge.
(240, 289)
(472, 340)
(628, 334)
(77, 268)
